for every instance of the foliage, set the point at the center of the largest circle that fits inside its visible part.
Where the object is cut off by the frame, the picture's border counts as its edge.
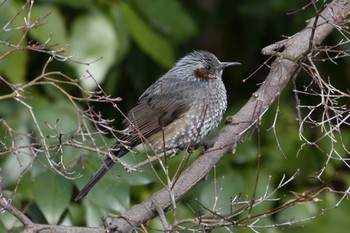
(61, 61)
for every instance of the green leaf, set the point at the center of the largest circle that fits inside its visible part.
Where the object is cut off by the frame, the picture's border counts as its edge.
(52, 26)
(7, 220)
(76, 213)
(169, 17)
(93, 215)
(13, 65)
(122, 31)
(61, 115)
(52, 194)
(93, 41)
(156, 46)
(224, 190)
(135, 178)
(328, 218)
(16, 164)
(298, 212)
(81, 4)
(110, 193)
(58, 122)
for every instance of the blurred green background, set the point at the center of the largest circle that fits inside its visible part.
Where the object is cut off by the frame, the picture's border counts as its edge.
(138, 41)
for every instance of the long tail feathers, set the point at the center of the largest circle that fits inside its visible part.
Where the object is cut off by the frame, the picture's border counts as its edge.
(107, 164)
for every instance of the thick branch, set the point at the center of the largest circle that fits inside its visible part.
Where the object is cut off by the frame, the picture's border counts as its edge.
(282, 70)
(30, 227)
(35, 228)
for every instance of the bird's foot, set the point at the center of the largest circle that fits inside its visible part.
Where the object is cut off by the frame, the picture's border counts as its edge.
(207, 143)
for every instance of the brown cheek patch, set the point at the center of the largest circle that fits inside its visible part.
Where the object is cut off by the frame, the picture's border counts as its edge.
(201, 73)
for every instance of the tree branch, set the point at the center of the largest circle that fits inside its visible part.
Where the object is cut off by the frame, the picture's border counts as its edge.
(285, 67)
(30, 227)
(6, 204)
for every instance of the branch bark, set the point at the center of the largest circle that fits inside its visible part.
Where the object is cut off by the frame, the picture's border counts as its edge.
(285, 66)
(282, 70)
(30, 227)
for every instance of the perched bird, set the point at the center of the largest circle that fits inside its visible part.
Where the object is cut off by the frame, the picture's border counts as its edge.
(176, 112)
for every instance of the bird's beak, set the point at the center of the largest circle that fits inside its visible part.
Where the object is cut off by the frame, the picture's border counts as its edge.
(227, 64)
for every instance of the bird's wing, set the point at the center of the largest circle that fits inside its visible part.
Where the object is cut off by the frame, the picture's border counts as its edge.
(165, 102)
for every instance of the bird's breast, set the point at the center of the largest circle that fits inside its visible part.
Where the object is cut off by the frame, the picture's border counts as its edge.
(208, 106)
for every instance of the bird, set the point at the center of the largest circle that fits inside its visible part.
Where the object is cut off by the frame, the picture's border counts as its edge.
(176, 112)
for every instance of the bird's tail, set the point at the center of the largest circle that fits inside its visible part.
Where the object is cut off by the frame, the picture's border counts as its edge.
(107, 164)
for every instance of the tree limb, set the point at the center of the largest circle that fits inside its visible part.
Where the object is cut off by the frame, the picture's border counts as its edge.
(30, 227)
(285, 66)
(282, 70)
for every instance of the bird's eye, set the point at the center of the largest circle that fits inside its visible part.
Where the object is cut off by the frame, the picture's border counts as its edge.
(208, 67)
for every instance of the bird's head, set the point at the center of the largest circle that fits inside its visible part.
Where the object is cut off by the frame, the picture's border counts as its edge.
(201, 65)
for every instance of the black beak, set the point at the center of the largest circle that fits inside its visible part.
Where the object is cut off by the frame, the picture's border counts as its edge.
(227, 64)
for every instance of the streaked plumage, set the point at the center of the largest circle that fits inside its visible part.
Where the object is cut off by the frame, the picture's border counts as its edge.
(176, 112)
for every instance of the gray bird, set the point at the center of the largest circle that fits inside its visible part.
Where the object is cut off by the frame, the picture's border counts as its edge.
(176, 112)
